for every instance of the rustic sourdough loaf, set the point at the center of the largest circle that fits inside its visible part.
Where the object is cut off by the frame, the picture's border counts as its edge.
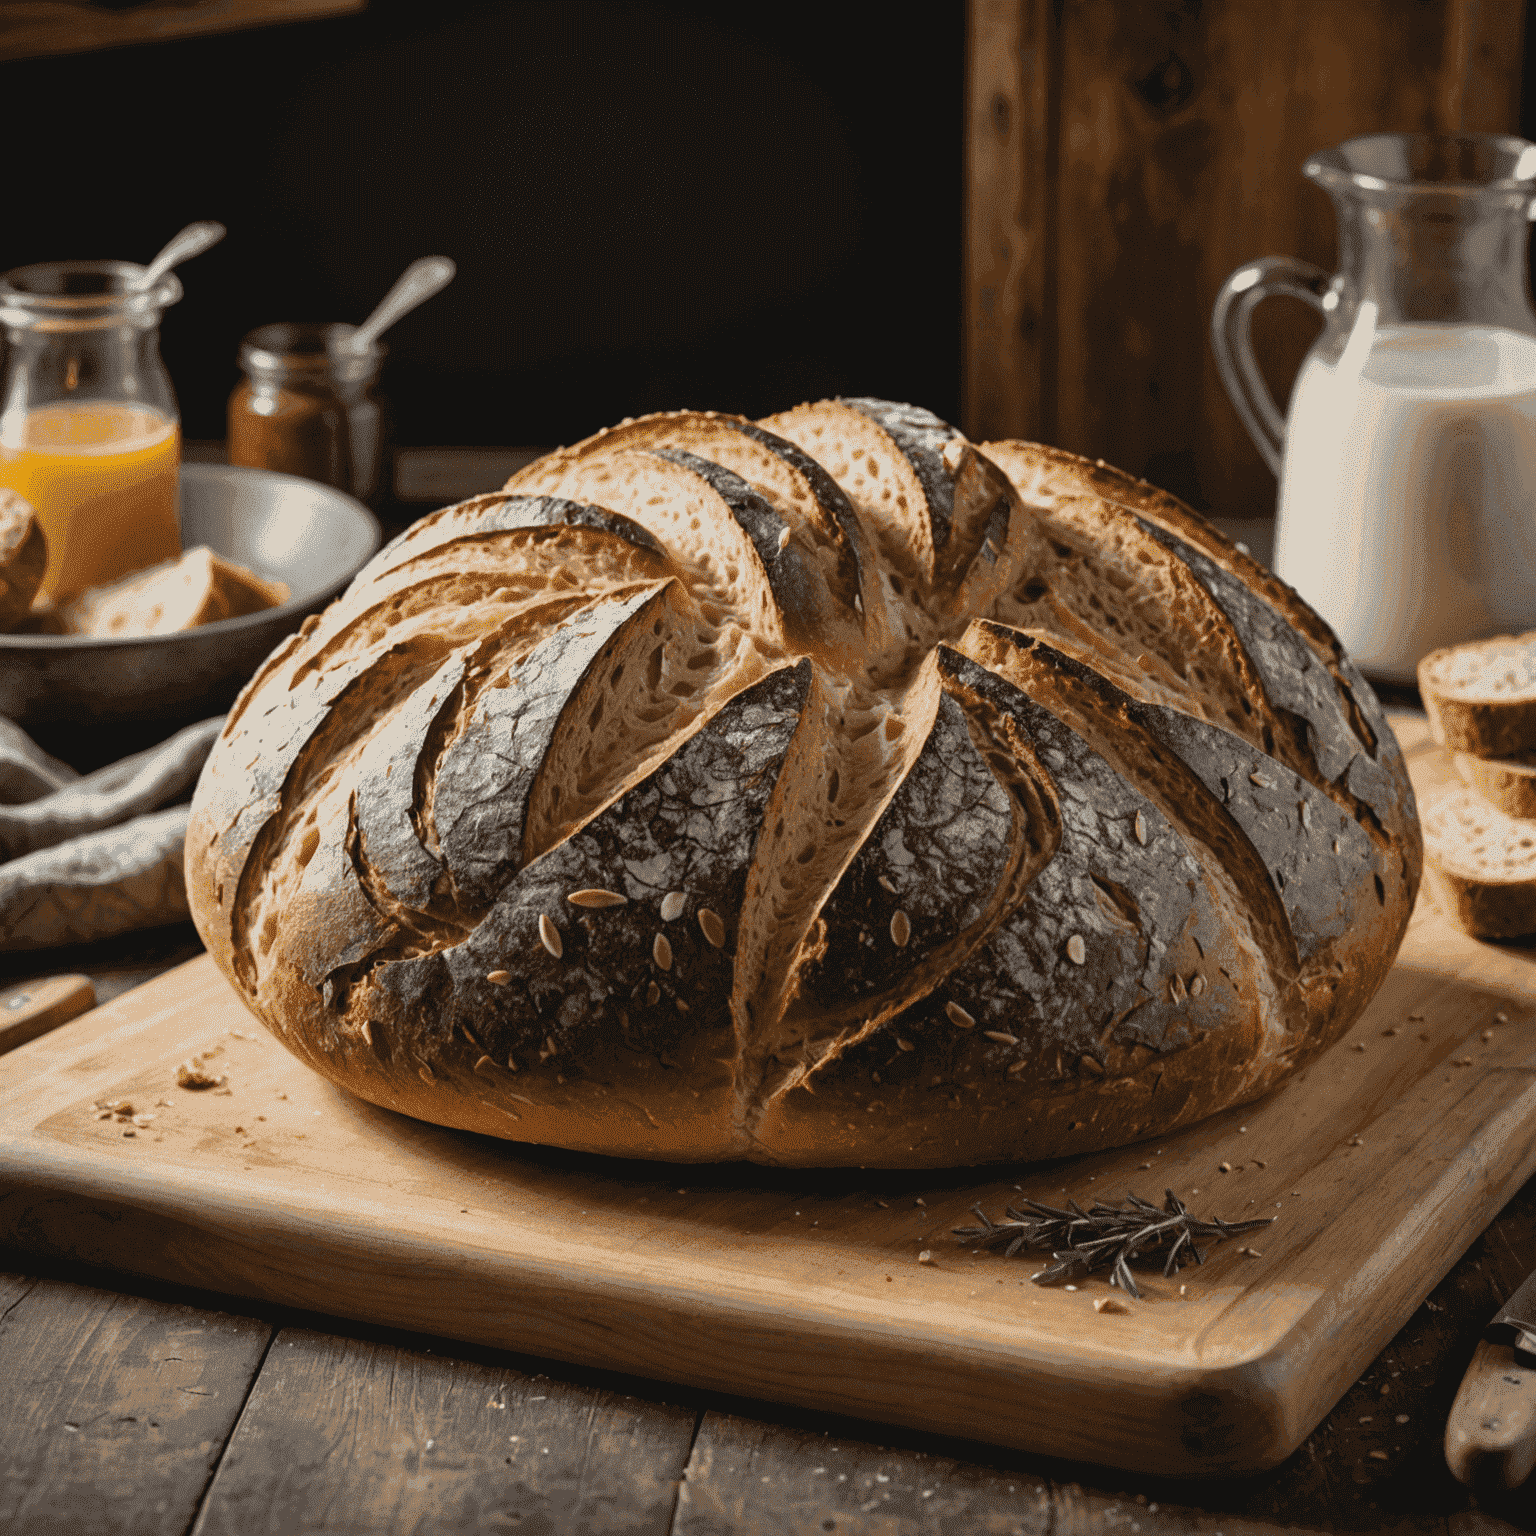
(825, 790)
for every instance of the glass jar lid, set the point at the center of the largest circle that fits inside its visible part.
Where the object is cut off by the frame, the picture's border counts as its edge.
(291, 349)
(83, 296)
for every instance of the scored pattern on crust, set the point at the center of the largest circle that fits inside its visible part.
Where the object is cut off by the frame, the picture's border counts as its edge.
(712, 761)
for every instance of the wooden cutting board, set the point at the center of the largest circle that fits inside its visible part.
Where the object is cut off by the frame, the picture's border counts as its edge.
(1381, 1163)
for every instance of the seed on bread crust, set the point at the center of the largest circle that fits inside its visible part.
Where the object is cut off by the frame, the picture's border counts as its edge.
(661, 952)
(714, 929)
(1077, 951)
(959, 1017)
(1140, 826)
(498, 978)
(901, 929)
(672, 905)
(597, 897)
(1001, 1036)
(549, 936)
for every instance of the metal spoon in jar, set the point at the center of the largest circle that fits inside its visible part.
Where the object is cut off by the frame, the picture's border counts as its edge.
(414, 286)
(192, 241)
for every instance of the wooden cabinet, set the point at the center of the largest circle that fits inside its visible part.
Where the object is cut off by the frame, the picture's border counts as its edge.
(1123, 156)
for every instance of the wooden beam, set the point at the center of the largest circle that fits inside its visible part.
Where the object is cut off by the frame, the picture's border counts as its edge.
(34, 28)
(1007, 338)
(1122, 161)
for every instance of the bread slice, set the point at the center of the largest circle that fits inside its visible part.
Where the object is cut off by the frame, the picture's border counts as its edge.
(1511, 786)
(1481, 865)
(1481, 698)
(23, 558)
(197, 588)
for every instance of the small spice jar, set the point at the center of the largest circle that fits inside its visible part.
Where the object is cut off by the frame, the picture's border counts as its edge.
(307, 407)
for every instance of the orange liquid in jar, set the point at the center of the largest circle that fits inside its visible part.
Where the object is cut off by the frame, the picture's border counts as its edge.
(101, 476)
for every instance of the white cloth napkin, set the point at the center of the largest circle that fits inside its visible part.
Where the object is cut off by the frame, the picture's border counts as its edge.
(83, 858)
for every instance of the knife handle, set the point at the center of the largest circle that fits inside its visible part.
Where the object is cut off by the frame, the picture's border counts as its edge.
(29, 1011)
(1490, 1437)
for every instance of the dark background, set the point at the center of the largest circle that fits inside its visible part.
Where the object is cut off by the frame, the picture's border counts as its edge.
(652, 205)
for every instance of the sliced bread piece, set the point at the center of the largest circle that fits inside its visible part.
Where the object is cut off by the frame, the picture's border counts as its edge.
(195, 589)
(1509, 785)
(1481, 865)
(23, 558)
(1481, 697)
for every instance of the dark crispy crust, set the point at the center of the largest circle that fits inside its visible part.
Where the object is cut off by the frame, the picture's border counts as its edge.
(963, 898)
(921, 436)
(579, 1038)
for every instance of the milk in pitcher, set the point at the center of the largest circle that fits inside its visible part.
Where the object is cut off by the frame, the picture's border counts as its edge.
(1407, 512)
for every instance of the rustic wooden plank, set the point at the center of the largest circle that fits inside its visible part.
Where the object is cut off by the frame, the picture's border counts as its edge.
(344, 1435)
(32, 28)
(747, 1477)
(12, 1288)
(1479, 87)
(115, 1408)
(1182, 129)
(1006, 337)
(435, 477)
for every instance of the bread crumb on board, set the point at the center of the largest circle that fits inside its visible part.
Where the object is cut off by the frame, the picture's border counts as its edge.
(193, 1073)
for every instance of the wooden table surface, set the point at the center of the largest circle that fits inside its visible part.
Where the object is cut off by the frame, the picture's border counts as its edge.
(130, 1406)
(133, 1406)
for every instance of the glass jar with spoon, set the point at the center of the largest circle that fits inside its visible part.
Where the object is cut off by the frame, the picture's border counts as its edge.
(89, 429)
(307, 404)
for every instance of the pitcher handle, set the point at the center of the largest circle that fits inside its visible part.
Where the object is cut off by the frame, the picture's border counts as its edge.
(1232, 340)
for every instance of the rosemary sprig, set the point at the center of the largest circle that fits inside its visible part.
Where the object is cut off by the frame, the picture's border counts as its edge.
(1104, 1236)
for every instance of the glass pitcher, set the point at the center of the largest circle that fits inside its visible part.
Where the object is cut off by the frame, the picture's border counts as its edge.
(1407, 464)
(89, 431)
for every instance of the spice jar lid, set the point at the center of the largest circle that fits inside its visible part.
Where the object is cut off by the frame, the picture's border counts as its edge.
(288, 348)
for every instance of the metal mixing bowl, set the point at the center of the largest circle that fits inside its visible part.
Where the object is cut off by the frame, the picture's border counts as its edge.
(279, 526)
